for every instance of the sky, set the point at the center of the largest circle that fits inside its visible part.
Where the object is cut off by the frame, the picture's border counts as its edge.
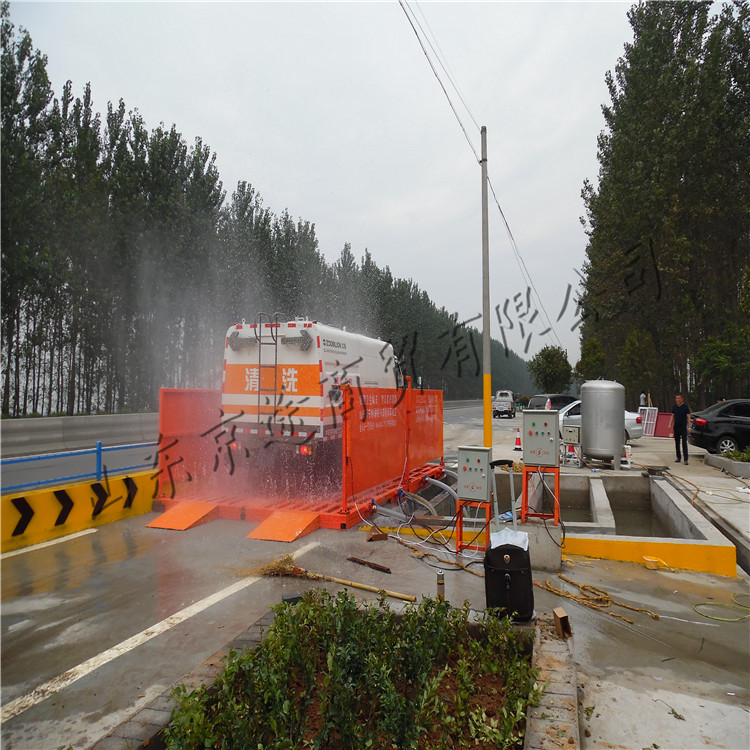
(330, 110)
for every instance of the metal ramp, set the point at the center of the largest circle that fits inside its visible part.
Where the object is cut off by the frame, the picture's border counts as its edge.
(184, 515)
(286, 526)
(282, 519)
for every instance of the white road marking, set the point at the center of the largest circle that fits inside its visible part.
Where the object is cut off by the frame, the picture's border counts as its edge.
(41, 545)
(44, 691)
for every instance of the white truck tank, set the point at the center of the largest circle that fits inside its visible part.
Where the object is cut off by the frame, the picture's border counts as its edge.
(283, 378)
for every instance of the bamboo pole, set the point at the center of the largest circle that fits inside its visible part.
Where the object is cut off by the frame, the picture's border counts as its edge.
(363, 586)
(286, 567)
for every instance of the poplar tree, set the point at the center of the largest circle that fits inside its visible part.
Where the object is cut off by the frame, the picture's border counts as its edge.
(668, 237)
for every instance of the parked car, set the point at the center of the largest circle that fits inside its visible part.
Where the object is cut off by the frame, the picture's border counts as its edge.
(550, 401)
(571, 415)
(723, 427)
(504, 404)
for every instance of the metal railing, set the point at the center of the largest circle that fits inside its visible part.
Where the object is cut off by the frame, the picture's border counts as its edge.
(99, 472)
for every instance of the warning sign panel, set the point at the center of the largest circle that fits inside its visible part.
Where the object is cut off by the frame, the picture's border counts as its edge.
(42, 515)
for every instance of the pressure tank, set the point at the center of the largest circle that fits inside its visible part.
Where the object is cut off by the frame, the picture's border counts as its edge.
(603, 420)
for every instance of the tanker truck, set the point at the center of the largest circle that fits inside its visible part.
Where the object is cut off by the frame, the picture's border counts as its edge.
(282, 395)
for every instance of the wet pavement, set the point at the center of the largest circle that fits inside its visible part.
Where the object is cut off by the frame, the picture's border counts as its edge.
(682, 681)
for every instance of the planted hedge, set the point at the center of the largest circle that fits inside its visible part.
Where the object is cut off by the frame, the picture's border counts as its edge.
(336, 673)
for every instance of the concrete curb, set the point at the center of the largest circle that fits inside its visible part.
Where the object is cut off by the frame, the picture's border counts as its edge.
(553, 723)
(735, 468)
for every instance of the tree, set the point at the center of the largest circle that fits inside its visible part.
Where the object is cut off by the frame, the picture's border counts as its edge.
(722, 364)
(638, 365)
(123, 266)
(550, 369)
(667, 223)
(591, 365)
(26, 276)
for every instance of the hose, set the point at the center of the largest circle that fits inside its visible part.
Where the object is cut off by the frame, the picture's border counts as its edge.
(443, 486)
(736, 606)
(395, 514)
(593, 598)
(420, 501)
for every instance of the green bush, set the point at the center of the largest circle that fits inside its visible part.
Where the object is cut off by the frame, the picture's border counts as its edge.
(739, 455)
(337, 673)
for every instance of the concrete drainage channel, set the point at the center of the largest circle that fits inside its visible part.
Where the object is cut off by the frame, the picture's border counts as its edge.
(553, 723)
(630, 518)
(645, 519)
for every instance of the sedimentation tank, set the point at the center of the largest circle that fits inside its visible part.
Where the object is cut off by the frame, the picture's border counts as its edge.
(603, 420)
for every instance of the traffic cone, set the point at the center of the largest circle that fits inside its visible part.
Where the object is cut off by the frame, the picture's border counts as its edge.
(518, 440)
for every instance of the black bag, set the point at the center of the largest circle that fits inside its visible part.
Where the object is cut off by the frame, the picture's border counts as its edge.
(507, 581)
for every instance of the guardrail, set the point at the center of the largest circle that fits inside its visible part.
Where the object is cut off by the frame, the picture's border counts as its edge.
(99, 472)
(33, 436)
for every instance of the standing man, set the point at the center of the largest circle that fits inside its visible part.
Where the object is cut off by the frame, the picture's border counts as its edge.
(680, 422)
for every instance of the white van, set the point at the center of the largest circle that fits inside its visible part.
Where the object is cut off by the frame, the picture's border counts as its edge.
(504, 405)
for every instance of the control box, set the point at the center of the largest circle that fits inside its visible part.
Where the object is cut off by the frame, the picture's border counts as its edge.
(474, 477)
(571, 434)
(541, 438)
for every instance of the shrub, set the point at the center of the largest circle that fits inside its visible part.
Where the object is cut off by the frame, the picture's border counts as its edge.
(337, 673)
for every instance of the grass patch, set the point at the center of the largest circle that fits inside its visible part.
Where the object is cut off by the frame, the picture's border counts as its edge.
(334, 673)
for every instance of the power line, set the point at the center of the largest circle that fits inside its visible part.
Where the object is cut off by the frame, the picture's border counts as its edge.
(522, 264)
(427, 57)
(517, 253)
(444, 62)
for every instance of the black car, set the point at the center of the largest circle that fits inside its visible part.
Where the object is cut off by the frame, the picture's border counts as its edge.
(554, 401)
(723, 427)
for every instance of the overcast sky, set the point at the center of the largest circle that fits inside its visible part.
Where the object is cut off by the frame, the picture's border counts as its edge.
(331, 110)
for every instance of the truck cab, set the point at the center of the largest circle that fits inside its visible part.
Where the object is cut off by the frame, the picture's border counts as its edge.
(504, 405)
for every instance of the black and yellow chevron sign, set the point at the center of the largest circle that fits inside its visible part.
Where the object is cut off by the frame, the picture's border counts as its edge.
(42, 515)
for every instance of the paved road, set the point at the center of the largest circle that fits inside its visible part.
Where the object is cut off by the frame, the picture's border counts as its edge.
(28, 470)
(66, 606)
(94, 627)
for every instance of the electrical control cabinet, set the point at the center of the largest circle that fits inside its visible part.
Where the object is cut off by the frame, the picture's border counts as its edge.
(541, 438)
(571, 434)
(474, 477)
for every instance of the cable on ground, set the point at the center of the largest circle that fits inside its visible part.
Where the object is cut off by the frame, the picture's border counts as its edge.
(735, 606)
(594, 598)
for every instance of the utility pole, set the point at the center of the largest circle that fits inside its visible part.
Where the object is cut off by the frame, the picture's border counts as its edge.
(486, 363)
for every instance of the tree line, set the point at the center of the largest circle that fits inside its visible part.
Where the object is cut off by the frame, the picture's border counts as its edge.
(666, 296)
(124, 262)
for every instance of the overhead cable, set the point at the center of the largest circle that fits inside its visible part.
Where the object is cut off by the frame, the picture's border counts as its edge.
(521, 264)
(443, 62)
(411, 17)
(447, 96)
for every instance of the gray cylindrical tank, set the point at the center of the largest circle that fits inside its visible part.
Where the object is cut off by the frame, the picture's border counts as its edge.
(603, 420)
